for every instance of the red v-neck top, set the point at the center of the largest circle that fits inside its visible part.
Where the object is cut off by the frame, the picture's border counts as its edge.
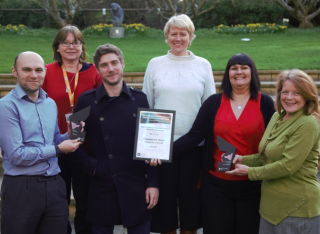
(245, 133)
(55, 87)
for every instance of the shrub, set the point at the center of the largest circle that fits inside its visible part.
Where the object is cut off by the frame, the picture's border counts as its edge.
(139, 29)
(103, 29)
(99, 29)
(28, 18)
(250, 28)
(233, 12)
(12, 29)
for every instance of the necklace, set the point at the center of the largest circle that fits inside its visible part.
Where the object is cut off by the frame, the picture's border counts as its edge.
(70, 82)
(240, 105)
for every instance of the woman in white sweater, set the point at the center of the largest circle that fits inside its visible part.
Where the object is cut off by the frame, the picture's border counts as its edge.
(179, 81)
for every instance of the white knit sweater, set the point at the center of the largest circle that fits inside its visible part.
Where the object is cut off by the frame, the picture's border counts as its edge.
(180, 83)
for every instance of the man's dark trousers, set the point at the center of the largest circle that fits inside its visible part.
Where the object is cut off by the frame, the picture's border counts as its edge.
(34, 204)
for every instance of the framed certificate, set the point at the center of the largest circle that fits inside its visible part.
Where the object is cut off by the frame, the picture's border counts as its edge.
(154, 134)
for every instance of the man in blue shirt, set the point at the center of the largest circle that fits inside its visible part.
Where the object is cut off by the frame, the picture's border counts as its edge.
(33, 196)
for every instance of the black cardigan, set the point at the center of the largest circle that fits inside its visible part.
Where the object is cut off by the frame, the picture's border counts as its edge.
(203, 127)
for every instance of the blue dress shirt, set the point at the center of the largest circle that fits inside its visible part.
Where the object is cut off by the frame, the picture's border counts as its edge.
(28, 133)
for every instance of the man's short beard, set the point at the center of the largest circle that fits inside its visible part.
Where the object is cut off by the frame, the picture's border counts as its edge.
(111, 83)
(26, 88)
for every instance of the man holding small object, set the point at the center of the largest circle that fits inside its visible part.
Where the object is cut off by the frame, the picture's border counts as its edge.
(121, 190)
(33, 196)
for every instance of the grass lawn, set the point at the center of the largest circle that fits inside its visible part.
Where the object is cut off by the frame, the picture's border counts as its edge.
(294, 49)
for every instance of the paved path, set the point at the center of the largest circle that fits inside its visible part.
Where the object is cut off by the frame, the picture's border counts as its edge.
(118, 229)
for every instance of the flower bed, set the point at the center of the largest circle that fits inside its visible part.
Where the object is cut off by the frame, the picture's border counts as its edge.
(12, 29)
(250, 29)
(103, 29)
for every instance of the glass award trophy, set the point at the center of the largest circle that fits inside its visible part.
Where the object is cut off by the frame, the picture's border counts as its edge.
(76, 127)
(228, 156)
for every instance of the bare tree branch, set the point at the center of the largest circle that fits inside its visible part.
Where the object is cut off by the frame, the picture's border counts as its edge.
(172, 8)
(190, 7)
(311, 5)
(314, 14)
(299, 6)
(70, 7)
(201, 5)
(284, 4)
(158, 9)
(193, 8)
(302, 10)
(185, 5)
(209, 9)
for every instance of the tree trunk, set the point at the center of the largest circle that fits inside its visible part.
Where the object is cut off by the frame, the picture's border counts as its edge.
(59, 21)
(52, 9)
(305, 22)
(304, 11)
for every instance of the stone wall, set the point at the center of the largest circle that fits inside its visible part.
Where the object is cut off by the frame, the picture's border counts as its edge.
(135, 79)
(264, 75)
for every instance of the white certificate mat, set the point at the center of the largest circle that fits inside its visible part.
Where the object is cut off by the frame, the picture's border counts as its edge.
(154, 134)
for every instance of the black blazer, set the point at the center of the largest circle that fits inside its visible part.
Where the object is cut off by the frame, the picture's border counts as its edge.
(203, 127)
(117, 183)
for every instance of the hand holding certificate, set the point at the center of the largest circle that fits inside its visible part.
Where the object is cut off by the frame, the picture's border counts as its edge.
(154, 135)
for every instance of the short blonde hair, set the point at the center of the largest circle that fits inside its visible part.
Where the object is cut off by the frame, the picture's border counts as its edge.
(183, 22)
(307, 88)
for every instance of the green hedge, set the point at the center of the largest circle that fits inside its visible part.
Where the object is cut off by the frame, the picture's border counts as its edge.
(233, 12)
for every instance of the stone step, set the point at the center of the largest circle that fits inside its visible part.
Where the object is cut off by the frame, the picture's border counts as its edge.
(137, 77)
(5, 89)
(267, 87)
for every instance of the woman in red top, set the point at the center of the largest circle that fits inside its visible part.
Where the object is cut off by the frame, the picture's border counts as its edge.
(65, 80)
(239, 115)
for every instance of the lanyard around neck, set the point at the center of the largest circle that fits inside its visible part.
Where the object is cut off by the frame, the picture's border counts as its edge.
(66, 80)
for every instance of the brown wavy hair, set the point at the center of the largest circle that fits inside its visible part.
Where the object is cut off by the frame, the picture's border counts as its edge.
(61, 36)
(307, 88)
(106, 49)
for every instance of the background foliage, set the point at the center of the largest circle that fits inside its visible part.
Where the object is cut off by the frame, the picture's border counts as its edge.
(232, 12)
(296, 48)
(28, 18)
(228, 12)
(250, 29)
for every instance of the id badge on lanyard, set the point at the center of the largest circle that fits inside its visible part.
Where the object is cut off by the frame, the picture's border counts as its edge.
(67, 116)
(68, 89)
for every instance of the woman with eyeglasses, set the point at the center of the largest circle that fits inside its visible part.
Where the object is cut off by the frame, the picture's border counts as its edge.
(68, 77)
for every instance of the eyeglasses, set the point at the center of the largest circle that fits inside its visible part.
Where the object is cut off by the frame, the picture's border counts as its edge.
(67, 43)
